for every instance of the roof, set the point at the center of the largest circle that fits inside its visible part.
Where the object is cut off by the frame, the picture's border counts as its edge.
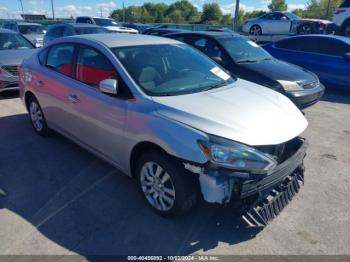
(19, 22)
(118, 40)
(76, 25)
(26, 23)
(337, 37)
(80, 25)
(208, 33)
(7, 31)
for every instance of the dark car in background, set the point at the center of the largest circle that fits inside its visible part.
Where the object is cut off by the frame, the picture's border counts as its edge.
(245, 59)
(160, 31)
(61, 30)
(13, 49)
(325, 55)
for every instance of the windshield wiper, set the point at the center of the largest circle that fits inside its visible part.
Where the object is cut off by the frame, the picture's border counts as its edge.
(246, 61)
(215, 86)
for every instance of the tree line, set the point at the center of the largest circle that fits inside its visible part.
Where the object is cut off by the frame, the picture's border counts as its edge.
(184, 12)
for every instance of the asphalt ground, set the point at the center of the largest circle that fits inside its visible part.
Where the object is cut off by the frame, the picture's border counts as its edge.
(63, 200)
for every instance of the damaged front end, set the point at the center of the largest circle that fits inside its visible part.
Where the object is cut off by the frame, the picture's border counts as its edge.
(260, 194)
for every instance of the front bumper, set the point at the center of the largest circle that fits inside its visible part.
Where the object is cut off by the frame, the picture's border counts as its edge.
(307, 97)
(9, 84)
(247, 190)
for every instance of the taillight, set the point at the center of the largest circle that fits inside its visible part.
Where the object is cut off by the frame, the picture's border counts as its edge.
(340, 11)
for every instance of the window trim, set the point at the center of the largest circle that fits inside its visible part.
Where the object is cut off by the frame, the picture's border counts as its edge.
(74, 76)
(72, 62)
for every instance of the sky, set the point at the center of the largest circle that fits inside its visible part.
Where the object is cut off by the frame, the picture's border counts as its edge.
(67, 8)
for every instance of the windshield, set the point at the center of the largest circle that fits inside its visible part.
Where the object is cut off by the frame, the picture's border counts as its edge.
(91, 30)
(243, 50)
(105, 22)
(14, 41)
(32, 29)
(167, 70)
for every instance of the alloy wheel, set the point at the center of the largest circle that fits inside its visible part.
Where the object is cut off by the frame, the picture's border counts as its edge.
(255, 30)
(157, 186)
(36, 116)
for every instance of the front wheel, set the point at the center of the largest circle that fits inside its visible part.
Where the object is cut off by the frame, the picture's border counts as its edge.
(37, 117)
(305, 29)
(167, 187)
(255, 30)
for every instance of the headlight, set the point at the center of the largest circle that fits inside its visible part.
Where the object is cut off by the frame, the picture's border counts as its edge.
(236, 156)
(289, 85)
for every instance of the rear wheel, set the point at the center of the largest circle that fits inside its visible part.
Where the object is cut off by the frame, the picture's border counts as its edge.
(255, 30)
(37, 117)
(346, 29)
(168, 188)
(305, 29)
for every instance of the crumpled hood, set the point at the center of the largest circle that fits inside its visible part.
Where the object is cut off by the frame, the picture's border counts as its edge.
(15, 57)
(315, 20)
(243, 112)
(279, 70)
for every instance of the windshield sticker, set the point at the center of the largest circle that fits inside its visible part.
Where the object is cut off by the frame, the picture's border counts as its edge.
(220, 73)
(253, 44)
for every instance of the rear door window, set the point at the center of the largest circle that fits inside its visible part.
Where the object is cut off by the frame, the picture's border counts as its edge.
(93, 67)
(60, 58)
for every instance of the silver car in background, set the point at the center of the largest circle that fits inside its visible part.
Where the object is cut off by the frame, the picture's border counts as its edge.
(285, 23)
(13, 49)
(176, 122)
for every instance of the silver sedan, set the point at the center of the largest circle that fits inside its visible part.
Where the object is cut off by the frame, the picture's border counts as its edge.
(284, 23)
(167, 115)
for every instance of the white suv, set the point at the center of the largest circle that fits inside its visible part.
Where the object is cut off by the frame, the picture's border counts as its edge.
(342, 18)
(108, 23)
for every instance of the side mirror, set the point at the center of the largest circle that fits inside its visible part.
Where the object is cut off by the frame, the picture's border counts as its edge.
(109, 86)
(347, 57)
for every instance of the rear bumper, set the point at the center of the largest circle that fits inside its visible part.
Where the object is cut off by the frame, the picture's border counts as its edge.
(305, 98)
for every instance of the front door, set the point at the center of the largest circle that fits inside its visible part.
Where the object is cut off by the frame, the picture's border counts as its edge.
(99, 118)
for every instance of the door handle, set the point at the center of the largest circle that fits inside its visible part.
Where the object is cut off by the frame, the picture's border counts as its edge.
(73, 99)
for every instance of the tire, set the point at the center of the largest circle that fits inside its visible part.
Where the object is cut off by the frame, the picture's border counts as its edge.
(37, 117)
(176, 195)
(346, 29)
(305, 29)
(255, 30)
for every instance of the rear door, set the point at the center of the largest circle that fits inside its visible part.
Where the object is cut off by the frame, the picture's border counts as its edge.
(52, 84)
(99, 119)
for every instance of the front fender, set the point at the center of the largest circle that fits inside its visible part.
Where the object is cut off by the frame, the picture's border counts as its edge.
(177, 139)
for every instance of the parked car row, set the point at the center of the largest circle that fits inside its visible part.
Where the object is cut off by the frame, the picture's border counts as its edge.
(189, 115)
(245, 59)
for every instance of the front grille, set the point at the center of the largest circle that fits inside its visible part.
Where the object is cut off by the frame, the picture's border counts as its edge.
(262, 213)
(7, 84)
(11, 69)
(282, 151)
